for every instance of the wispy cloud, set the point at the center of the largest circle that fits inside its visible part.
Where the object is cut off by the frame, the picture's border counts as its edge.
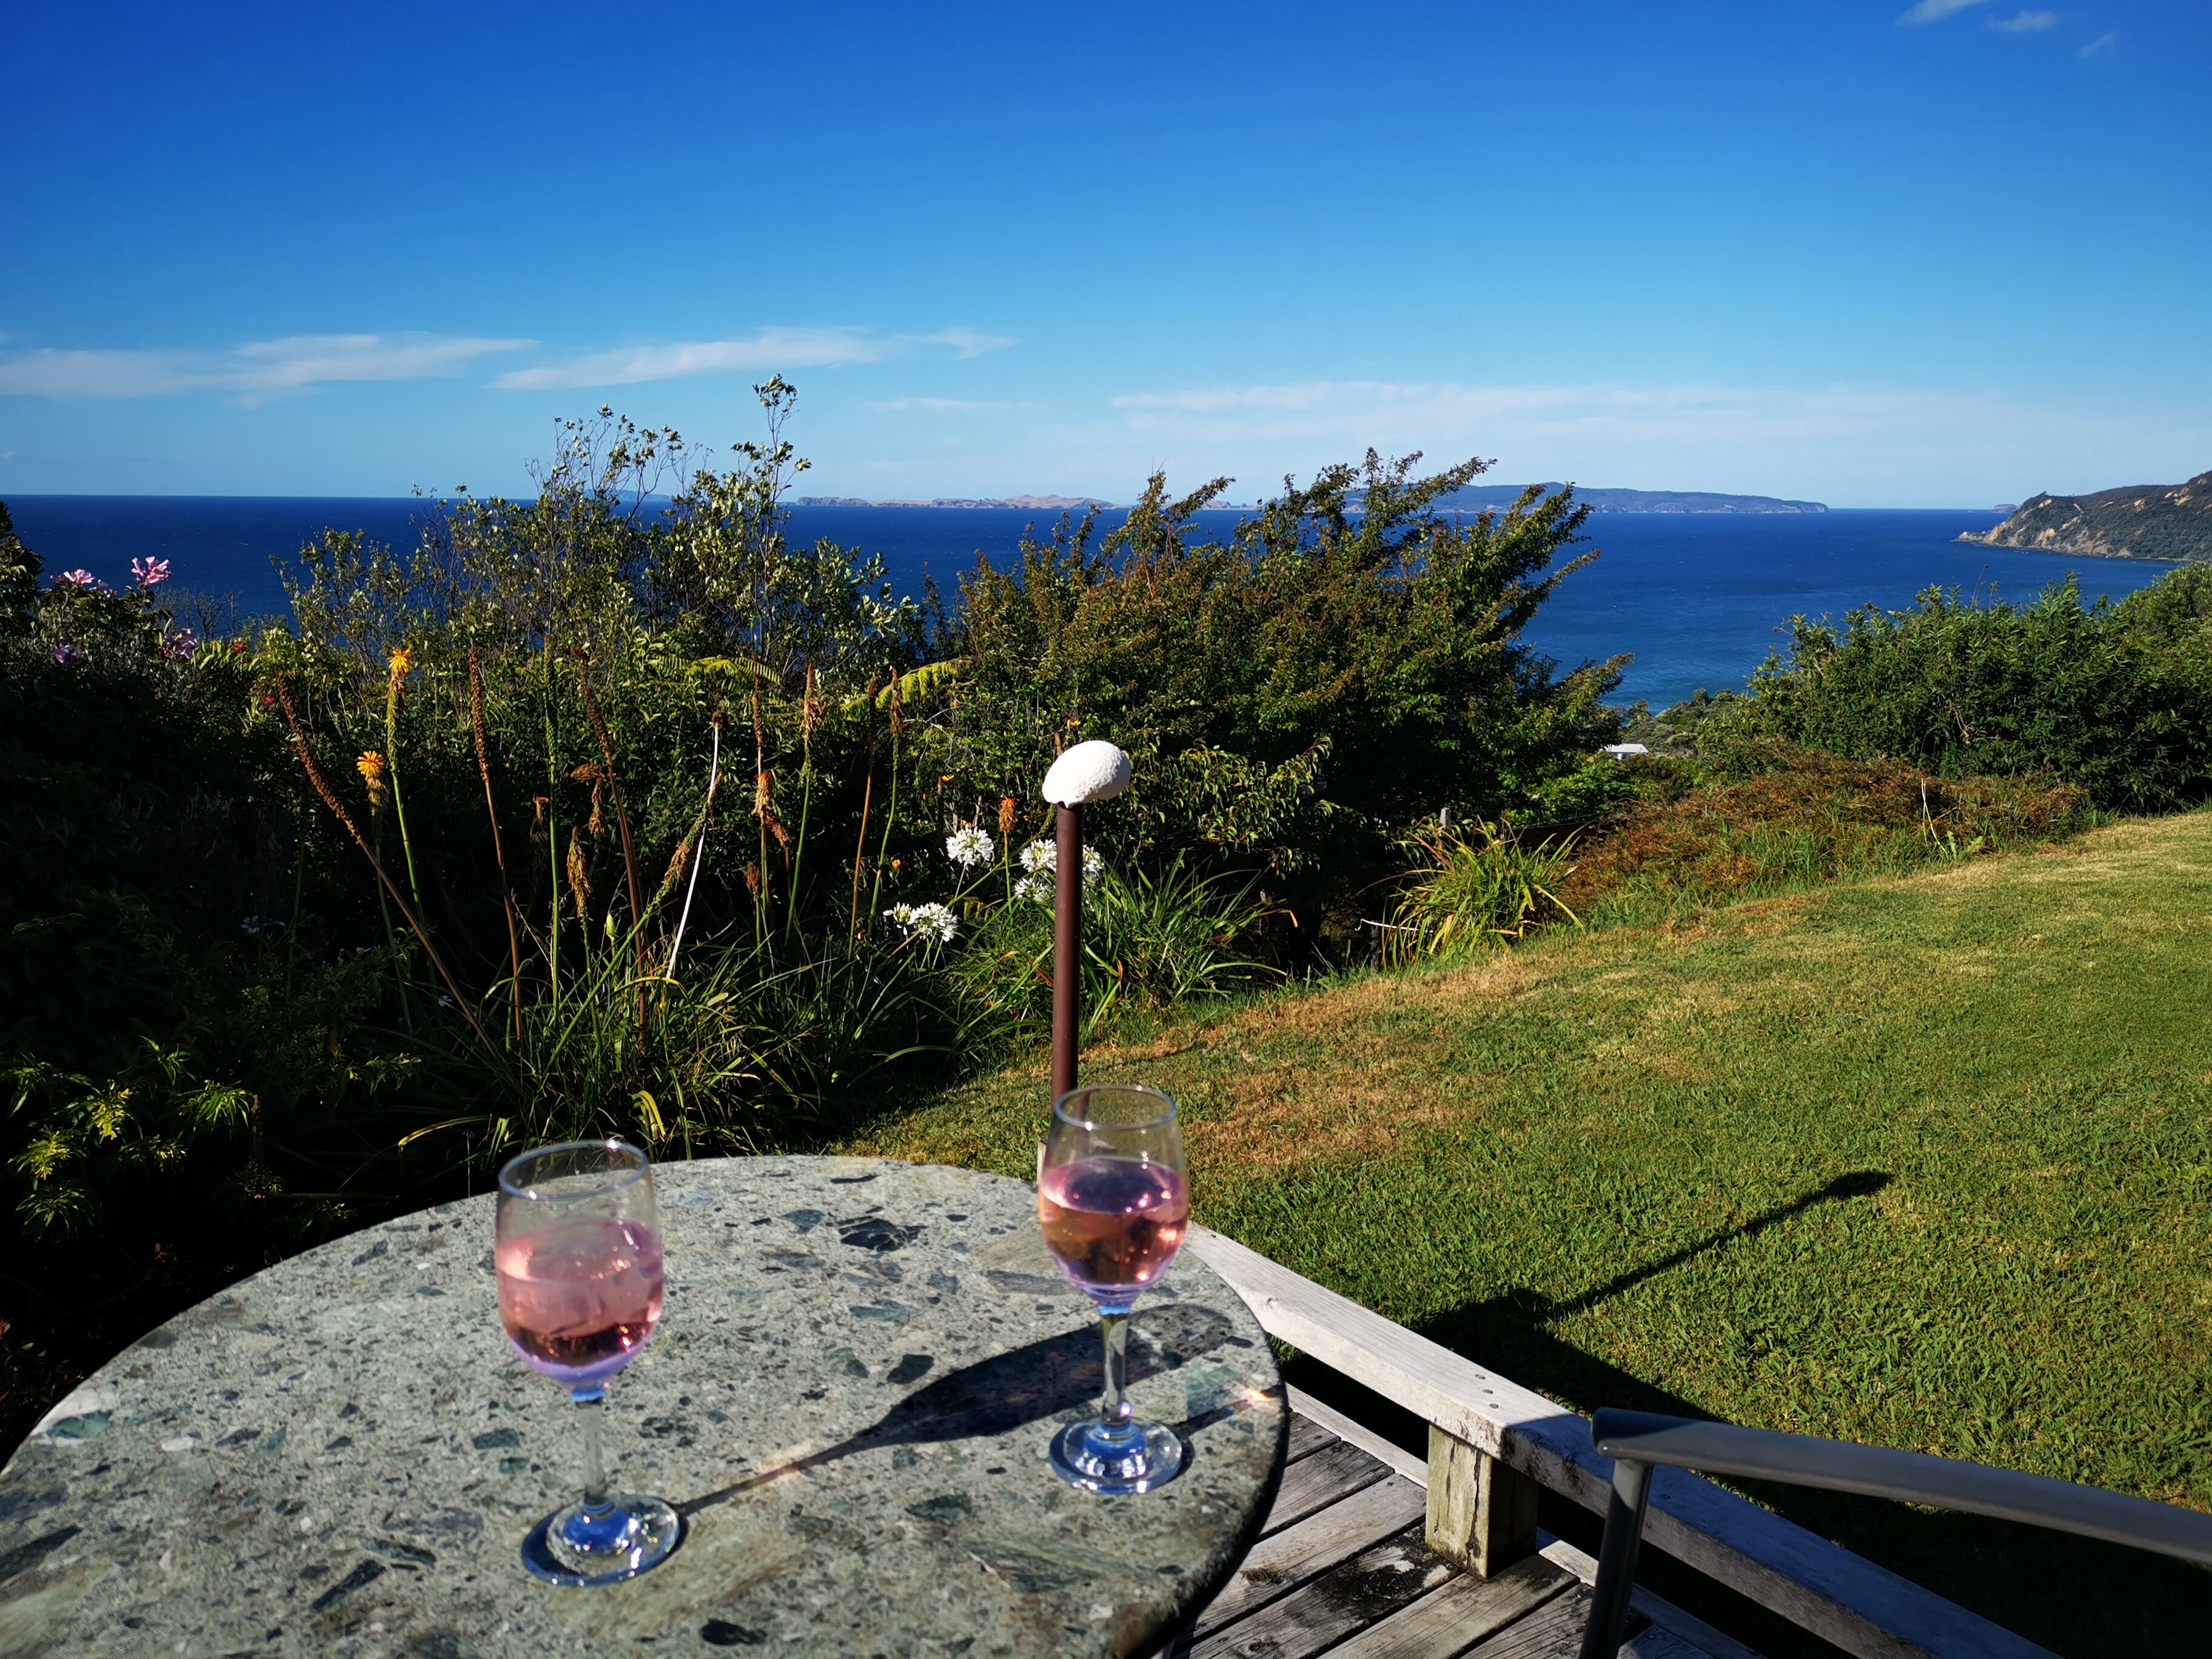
(2026, 22)
(257, 368)
(964, 341)
(772, 350)
(1931, 11)
(942, 405)
(2102, 43)
(262, 368)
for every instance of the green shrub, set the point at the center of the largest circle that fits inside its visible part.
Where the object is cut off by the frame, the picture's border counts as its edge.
(2114, 699)
(1295, 699)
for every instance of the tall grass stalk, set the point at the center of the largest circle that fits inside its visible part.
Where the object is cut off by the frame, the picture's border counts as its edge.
(322, 788)
(698, 854)
(498, 845)
(395, 678)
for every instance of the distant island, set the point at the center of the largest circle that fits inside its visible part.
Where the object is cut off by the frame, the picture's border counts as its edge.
(1479, 497)
(1030, 503)
(2141, 521)
(1473, 498)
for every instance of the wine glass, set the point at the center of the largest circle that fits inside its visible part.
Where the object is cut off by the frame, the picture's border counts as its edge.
(580, 1289)
(1114, 1204)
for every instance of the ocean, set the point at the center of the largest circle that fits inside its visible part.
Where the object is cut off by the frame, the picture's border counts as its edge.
(1699, 599)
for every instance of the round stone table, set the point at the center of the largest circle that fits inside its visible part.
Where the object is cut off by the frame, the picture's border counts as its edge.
(848, 1400)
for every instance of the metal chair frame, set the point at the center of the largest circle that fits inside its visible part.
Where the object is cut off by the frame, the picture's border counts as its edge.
(1638, 1442)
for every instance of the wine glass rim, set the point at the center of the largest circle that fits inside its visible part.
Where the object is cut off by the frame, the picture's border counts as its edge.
(1167, 1114)
(613, 1180)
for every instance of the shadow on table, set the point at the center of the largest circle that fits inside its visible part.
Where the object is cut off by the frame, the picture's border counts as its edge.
(1033, 1383)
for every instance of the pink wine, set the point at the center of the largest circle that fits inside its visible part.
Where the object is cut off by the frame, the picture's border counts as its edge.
(580, 1298)
(1114, 1223)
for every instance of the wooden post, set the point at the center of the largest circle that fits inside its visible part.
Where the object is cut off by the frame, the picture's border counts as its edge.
(1482, 1513)
(1090, 771)
(1066, 948)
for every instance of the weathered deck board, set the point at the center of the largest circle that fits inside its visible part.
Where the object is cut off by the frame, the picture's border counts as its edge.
(1456, 1615)
(1313, 1483)
(1343, 1573)
(1307, 1437)
(1341, 1602)
(1280, 1565)
(1553, 1632)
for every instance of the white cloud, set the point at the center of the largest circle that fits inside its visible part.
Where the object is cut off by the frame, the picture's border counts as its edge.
(263, 367)
(2102, 43)
(964, 341)
(942, 405)
(257, 368)
(2026, 22)
(1929, 11)
(771, 351)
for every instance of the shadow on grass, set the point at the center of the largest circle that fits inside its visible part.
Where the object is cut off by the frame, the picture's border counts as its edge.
(2079, 1597)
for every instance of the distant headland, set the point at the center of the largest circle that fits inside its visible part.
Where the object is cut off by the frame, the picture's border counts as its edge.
(1478, 496)
(2139, 521)
(1030, 503)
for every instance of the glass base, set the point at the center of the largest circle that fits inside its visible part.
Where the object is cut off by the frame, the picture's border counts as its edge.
(602, 1543)
(1135, 1457)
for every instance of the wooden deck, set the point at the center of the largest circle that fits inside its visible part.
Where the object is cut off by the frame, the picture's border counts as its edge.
(1340, 1570)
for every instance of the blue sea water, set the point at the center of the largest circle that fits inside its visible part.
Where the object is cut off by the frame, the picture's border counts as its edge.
(1698, 598)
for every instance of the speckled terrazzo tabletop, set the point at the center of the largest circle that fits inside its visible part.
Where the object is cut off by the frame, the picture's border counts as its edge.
(849, 1399)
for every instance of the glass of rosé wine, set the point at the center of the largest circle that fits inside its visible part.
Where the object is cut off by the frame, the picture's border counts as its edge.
(579, 1258)
(1114, 1203)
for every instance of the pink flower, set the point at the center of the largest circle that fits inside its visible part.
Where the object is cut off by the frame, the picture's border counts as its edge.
(79, 579)
(149, 572)
(68, 656)
(179, 645)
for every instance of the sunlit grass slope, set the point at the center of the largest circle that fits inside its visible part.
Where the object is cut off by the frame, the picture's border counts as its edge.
(1924, 1162)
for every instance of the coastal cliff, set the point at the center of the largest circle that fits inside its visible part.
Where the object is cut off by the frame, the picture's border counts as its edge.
(2143, 521)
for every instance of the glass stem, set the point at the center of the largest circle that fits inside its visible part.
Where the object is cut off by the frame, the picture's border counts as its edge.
(593, 1403)
(1114, 1408)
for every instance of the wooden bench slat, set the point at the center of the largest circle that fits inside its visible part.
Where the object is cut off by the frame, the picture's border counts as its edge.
(1452, 1618)
(1348, 1599)
(1657, 1643)
(1280, 1565)
(1313, 1483)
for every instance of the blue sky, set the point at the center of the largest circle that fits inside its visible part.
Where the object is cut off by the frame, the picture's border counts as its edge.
(1942, 256)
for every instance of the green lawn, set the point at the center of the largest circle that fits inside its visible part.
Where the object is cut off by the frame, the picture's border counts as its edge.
(1922, 1161)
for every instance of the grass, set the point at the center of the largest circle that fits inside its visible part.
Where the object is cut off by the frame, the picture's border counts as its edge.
(1920, 1161)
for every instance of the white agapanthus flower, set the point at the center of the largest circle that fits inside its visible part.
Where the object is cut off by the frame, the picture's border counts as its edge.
(1041, 858)
(935, 923)
(969, 847)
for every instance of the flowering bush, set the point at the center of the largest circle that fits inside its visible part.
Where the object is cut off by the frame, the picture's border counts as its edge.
(969, 847)
(1041, 862)
(934, 924)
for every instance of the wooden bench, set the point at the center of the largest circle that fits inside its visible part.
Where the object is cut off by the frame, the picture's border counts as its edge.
(1448, 1548)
